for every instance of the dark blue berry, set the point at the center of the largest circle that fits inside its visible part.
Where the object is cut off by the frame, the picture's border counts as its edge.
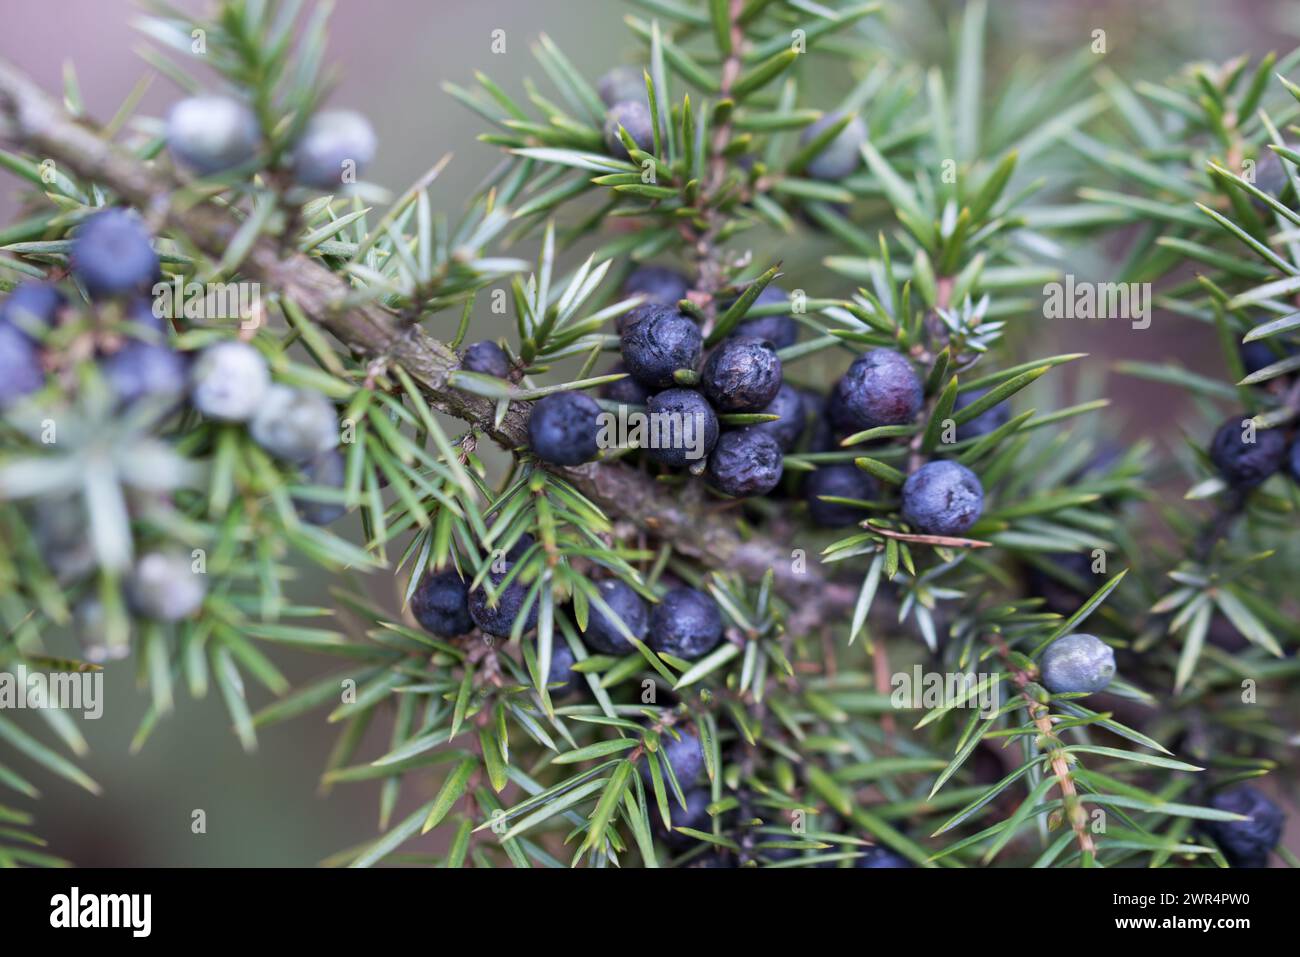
(695, 816)
(1261, 353)
(140, 370)
(842, 155)
(1247, 464)
(942, 498)
(335, 147)
(621, 84)
(781, 331)
(440, 603)
(633, 116)
(212, 133)
(879, 856)
(841, 480)
(684, 427)
(658, 284)
(683, 754)
(487, 358)
(112, 255)
(626, 391)
(685, 624)
(880, 388)
(499, 619)
(790, 406)
(1077, 663)
(1246, 843)
(658, 343)
(742, 374)
(602, 633)
(328, 470)
(31, 308)
(745, 463)
(563, 428)
(987, 421)
(520, 547)
(561, 677)
(20, 365)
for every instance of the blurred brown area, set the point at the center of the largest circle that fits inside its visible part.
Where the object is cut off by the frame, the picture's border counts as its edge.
(393, 56)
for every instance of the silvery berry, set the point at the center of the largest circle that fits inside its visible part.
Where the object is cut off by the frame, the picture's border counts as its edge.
(335, 146)
(31, 308)
(840, 480)
(295, 425)
(1246, 464)
(1077, 663)
(1246, 843)
(698, 433)
(165, 587)
(658, 284)
(879, 856)
(880, 388)
(842, 155)
(633, 116)
(564, 427)
(626, 391)
(112, 255)
(621, 84)
(140, 370)
(685, 624)
(20, 366)
(487, 358)
(660, 342)
(602, 633)
(229, 381)
(781, 330)
(942, 498)
(683, 754)
(745, 463)
(987, 421)
(790, 406)
(561, 672)
(329, 469)
(212, 133)
(742, 374)
(440, 603)
(499, 619)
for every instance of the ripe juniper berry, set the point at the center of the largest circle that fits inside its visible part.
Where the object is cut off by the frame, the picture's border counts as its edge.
(1245, 464)
(31, 308)
(742, 374)
(602, 633)
(335, 148)
(698, 432)
(658, 343)
(487, 358)
(780, 330)
(112, 255)
(165, 587)
(942, 498)
(745, 463)
(633, 116)
(440, 603)
(1246, 843)
(658, 284)
(229, 380)
(1077, 663)
(210, 134)
(500, 618)
(789, 405)
(685, 624)
(880, 388)
(328, 469)
(563, 428)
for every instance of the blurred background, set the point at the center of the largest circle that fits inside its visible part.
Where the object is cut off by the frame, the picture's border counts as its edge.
(392, 57)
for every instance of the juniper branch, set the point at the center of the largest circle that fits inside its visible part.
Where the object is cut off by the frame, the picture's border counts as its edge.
(34, 120)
